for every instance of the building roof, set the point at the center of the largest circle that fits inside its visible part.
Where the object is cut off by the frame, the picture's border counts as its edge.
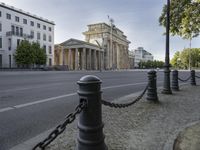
(74, 43)
(25, 13)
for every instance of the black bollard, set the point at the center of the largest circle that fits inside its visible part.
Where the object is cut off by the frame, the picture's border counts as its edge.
(152, 87)
(175, 85)
(193, 80)
(90, 124)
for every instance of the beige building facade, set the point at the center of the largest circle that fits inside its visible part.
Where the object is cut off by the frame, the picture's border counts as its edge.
(113, 42)
(79, 55)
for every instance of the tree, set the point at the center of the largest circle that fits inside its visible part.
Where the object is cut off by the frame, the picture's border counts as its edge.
(175, 62)
(24, 57)
(184, 18)
(28, 54)
(181, 59)
(39, 54)
(151, 64)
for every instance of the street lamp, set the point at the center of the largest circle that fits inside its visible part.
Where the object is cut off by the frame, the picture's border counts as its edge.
(100, 47)
(166, 86)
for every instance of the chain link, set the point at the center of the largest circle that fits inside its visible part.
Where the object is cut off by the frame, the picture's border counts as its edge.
(116, 105)
(61, 127)
(197, 76)
(185, 79)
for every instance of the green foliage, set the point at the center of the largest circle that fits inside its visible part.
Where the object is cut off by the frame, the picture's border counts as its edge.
(181, 59)
(28, 54)
(39, 54)
(151, 64)
(24, 57)
(176, 59)
(184, 18)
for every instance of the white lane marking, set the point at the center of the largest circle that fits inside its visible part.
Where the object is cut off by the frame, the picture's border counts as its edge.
(123, 85)
(6, 109)
(32, 87)
(44, 100)
(36, 102)
(62, 96)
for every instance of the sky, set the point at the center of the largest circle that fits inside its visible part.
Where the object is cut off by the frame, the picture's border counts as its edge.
(138, 19)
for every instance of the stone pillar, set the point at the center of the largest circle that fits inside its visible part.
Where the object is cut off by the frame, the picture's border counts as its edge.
(76, 59)
(102, 60)
(118, 56)
(62, 57)
(114, 51)
(95, 60)
(83, 59)
(98, 60)
(69, 59)
(111, 55)
(89, 59)
(108, 56)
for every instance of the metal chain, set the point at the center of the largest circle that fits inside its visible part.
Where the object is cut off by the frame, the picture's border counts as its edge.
(185, 79)
(116, 105)
(197, 76)
(61, 127)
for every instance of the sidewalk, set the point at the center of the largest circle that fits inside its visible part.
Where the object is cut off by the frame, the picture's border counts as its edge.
(147, 126)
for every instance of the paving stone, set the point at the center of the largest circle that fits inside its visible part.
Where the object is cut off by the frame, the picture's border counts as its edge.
(143, 126)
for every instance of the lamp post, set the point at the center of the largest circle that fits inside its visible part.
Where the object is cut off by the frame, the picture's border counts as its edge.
(100, 47)
(166, 86)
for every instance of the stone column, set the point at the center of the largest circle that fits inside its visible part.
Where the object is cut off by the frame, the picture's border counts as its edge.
(69, 59)
(76, 59)
(95, 59)
(62, 56)
(102, 59)
(83, 59)
(98, 60)
(89, 59)
(111, 55)
(118, 56)
(108, 56)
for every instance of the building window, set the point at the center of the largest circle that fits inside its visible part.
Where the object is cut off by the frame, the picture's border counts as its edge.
(44, 37)
(21, 31)
(49, 28)
(38, 36)
(32, 34)
(16, 19)
(25, 21)
(1, 61)
(50, 62)
(50, 51)
(8, 16)
(44, 47)
(38, 25)
(32, 23)
(13, 29)
(0, 27)
(17, 30)
(44, 27)
(49, 38)
(9, 61)
(9, 44)
(18, 42)
(0, 42)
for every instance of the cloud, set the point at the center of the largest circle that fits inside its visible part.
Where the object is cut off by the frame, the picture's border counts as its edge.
(138, 19)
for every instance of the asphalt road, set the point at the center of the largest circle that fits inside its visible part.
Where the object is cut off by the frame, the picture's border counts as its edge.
(33, 102)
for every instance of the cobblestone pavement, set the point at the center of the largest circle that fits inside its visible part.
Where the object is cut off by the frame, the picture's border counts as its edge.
(145, 125)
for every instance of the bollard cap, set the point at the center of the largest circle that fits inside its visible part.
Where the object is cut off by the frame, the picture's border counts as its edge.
(175, 70)
(151, 71)
(89, 79)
